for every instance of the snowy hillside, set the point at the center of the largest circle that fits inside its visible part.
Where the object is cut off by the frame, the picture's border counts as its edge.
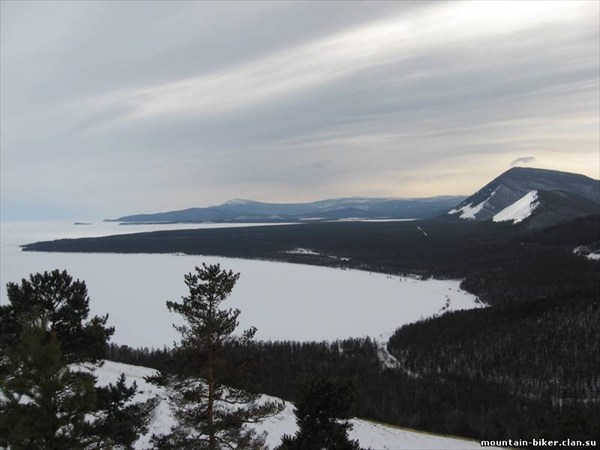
(519, 210)
(538, 197)
(370, 435)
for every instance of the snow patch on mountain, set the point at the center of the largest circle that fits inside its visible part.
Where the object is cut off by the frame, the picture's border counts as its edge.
(584, 251)
(468, 211)
(519, 210)
(369, 434)
(239, 201)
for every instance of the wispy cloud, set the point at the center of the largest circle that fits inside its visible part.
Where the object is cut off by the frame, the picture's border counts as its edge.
(522, 160)
(328, 59)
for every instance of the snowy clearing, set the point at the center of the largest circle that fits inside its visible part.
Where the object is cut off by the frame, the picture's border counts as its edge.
(302, 251)
(370, 434)
(519, 210)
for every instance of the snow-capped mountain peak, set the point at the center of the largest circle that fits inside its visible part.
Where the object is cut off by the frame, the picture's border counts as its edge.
(238, 201)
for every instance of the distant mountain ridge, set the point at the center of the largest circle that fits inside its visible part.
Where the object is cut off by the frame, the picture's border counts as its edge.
(241, 210)
(536, 197)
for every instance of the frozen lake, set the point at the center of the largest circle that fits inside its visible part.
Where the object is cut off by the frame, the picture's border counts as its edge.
(284, 301)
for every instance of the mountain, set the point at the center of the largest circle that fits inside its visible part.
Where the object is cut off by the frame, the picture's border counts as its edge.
(239, 210)
(538, 198)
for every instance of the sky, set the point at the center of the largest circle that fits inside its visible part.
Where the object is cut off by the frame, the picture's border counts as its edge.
(115, 108)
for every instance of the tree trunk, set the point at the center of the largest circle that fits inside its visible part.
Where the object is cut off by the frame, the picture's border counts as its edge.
(212, 441)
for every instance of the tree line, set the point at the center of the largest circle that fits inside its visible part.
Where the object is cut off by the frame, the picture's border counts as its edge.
(500, 263)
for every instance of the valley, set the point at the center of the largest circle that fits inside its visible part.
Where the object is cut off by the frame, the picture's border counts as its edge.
(299, 225)
(419, 283)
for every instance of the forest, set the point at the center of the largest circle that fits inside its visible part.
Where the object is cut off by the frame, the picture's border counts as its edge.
(498, 262)
(522, 369)
(527, 366)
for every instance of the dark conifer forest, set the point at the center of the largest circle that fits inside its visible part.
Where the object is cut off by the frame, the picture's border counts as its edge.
(523, 369)
(526, 366)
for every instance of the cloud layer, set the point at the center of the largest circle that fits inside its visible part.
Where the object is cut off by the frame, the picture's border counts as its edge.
(115, 108)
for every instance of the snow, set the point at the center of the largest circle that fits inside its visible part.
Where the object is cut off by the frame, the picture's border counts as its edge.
(279, 299)
(361, 219)
(309, 252)
(586, 253)
(302, 251)
(369, 434)
(519, 210)
(468, 211)
(239, 201)
(18, 233)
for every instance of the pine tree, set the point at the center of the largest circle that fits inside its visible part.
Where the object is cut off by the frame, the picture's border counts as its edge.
(209, 414)
(43, 404)
(321, 414)
(118, 420)
(64, 303)
(47, 394)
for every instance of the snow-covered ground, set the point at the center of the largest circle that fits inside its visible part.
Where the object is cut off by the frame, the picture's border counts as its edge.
(284, 301)
(515, 213)
(519, 210)
(302, 251)
(587, 253)
(468, 211)
(370, 435)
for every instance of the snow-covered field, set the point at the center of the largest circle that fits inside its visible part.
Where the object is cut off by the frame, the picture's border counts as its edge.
(284, 301)
(370, 435)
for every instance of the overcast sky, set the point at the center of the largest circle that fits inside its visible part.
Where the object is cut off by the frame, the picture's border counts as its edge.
(113, 108)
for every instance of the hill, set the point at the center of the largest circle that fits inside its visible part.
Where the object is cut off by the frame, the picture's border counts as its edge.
(537, 198)
(238, 210)
(370, 434)
(498, 261)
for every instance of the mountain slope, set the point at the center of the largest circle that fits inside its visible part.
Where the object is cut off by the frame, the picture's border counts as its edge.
(536, 197)
(369, 434)
(238, 210)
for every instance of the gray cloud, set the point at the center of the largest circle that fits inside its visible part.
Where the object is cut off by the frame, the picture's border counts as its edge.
(125, 106)
(522, 160)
